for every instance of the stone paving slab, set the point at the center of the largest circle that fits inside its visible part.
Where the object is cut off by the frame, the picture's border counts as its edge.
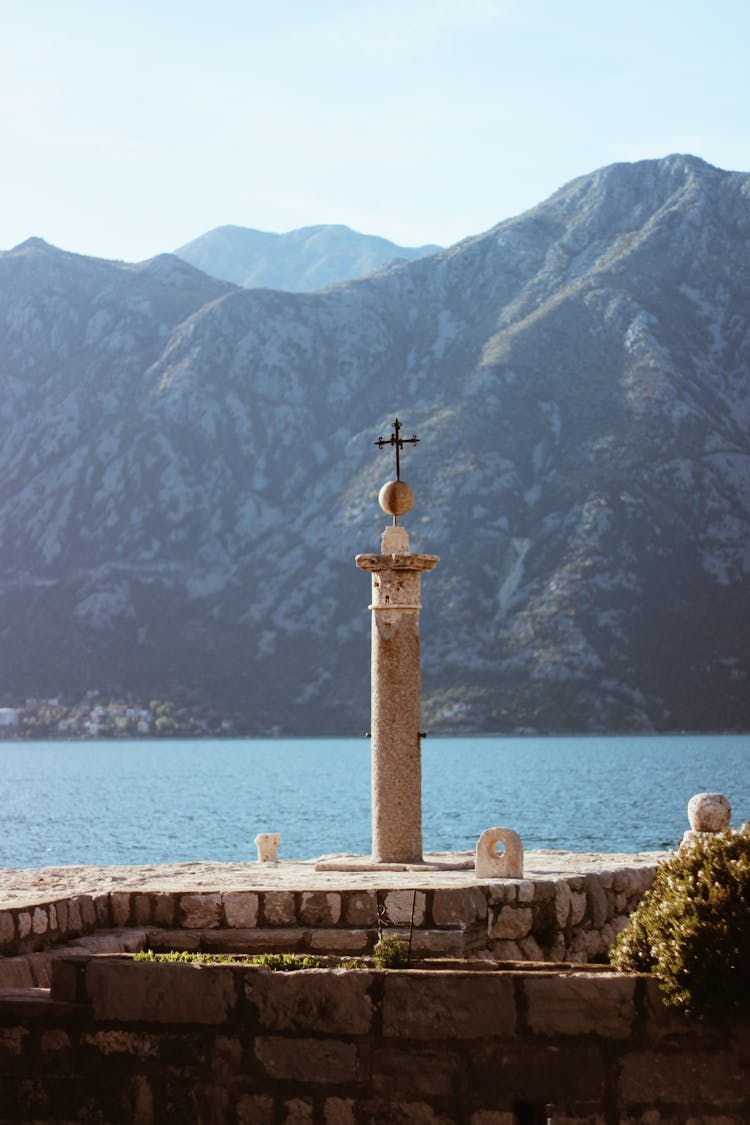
(19, 888)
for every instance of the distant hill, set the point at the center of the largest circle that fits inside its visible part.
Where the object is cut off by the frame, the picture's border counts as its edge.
(187, 470)
(300, 261)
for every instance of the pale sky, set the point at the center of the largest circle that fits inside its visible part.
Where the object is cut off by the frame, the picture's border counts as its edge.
(129, 128)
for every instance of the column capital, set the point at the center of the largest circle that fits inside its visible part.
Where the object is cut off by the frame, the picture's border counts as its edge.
(397, 562)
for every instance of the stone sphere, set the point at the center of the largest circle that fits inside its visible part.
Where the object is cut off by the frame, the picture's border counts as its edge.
(396, 497)
(709, 812)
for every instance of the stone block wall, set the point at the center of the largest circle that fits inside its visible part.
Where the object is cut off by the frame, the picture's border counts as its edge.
(571, 918)
(156, 1044)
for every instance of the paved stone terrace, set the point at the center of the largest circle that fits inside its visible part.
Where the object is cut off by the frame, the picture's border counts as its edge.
(567, 907)
(27, 888)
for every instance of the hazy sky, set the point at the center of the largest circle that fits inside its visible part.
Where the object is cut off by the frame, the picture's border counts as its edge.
(130, 128)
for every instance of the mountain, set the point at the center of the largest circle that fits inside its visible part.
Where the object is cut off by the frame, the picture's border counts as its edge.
(299, 261)
(187, 470)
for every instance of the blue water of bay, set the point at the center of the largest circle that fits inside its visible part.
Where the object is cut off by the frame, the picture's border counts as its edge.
(142, 802)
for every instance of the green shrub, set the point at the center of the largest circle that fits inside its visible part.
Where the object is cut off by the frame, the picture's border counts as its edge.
(279, 962)
(692, 929)
(390, 953)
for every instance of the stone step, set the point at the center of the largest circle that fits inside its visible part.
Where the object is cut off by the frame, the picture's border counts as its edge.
(424, 943)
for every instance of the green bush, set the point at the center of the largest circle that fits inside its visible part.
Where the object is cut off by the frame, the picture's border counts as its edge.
(692, 929)
(390, 953)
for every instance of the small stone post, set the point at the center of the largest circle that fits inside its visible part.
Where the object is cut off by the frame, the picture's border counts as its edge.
(396, 696)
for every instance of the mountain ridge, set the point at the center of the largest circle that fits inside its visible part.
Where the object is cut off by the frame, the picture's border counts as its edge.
(301, 260)
(183, 496)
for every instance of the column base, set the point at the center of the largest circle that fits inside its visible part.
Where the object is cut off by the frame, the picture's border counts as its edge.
(433, 861)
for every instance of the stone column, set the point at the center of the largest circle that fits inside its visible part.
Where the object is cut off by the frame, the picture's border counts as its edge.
(396, 699)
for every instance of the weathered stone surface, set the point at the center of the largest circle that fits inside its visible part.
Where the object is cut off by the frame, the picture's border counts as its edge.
(40, 968)
(102, 910)
(278, 908)
(141, 1101)
(562, 904)
(88, 911)
(7, 928)
(709, 812)
(665, 1020)
(593, 944)
(255, 1109)
(361, 908)
(24, 924)
(544, 890)
(54, 1039)
(39, 921)
(140, 1044)
(338, 941)
(324, 1061)
(20, 889)
(226, 1057)
(267, 844)
(512, 922)
(12, 1039)
(507, 951)
(119, 902)
(319, 908)
(531, 949)
(61, 909)
(163, 940)
(159, 993)
(75, 920)
(556, 949)
(339, 1111)
(526, 890)
(580, 1005)
(399, 906)
(577, 907)
(538, 1072)
(443, 1005)
(141, 909)
(432, 943)
(250, 941)
(596, 899)
(418, 1072)
(396, 701)
(328, 1003)
(241, 909)
(297, 1111)
(506, 891)
(163, 909)
(380, 1111)
(201, 911)
(15, 972)
(458, 907)
(493, 1117)
(489, 863)
(685, 1078)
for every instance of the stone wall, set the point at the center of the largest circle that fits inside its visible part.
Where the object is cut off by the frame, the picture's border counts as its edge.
(573, 918)
(156, 1044)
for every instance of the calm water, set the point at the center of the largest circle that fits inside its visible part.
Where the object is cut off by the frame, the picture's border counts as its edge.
(159, 802)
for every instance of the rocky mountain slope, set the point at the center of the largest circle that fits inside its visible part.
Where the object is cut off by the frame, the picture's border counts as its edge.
(299, 261)
(187, 471)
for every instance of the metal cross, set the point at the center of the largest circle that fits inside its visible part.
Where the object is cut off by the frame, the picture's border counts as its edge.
(399, 442)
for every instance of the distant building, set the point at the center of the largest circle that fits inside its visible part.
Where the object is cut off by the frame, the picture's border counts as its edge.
(8, 718)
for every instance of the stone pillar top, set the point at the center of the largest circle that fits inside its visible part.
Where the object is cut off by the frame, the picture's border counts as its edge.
(397, 562)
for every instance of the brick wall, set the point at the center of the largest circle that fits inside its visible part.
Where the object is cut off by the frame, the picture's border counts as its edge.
(155, 1044)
